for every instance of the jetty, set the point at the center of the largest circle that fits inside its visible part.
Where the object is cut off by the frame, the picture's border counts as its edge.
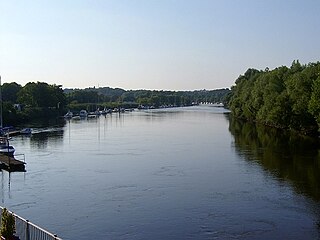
(11, 164)
(14, 133)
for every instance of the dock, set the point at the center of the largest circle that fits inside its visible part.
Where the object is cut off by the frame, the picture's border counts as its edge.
(11, 164)
(14, 133)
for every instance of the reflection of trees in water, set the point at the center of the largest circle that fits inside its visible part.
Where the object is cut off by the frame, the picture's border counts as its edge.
(41, 139)
(288, 156)
(46, 130)
(46, 122)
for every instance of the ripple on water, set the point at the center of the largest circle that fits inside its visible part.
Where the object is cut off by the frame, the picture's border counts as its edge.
(169, 171)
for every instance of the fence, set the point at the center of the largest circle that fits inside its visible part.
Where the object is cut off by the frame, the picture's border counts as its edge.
(26, 230)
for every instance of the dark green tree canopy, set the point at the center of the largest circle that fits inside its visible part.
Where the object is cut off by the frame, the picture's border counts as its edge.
(10, 92)
(283, 97)
(42, 95)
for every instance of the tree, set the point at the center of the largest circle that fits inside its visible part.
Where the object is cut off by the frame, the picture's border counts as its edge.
(314, 103)
(283, 97)
(7, 224)
(10, 92)
(42, 95)
(299, 86)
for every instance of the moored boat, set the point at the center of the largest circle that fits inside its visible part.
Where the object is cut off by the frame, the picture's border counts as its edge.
(68, 115)
(76, 118)
(90, 116)
(5, 147)
(106, 111)
(83, 114)
(26, 131)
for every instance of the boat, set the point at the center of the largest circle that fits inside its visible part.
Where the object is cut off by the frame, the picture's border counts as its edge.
(26, 131)
(6, 130)
(68, 115)
(97, 112)
(105, 111)
(83, 114)
(90, 116)
(76, 118)
(5, 147)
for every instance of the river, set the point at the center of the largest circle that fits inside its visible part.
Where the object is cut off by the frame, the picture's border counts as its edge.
(180, 173)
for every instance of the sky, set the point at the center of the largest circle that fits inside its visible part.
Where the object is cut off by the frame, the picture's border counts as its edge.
(153, 44)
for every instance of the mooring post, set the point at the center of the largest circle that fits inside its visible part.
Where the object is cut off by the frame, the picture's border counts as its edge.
(8, 155)
(27, 231)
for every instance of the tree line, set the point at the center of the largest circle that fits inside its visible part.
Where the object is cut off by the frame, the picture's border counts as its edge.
(285, 97)
(34, 100)
(154, 98)
(43, 100)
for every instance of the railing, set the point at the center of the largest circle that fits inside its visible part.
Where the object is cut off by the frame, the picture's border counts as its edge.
(26, 230)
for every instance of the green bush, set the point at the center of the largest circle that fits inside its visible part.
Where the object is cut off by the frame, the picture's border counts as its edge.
(7, 224)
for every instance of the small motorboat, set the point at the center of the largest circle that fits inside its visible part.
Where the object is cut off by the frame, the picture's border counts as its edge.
(76, 117)
(90, 116)
(106, 111)
(26, 131)
(83, 114)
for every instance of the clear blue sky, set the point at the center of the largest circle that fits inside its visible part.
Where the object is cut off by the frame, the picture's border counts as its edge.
(153, 44)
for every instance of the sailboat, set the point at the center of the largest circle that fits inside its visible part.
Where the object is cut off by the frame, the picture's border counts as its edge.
(5, 147)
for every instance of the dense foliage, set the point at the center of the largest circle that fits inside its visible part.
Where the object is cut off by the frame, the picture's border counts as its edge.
(34, 100)
(7, 224)
(283, 97)
(10, 92)
(144, 97)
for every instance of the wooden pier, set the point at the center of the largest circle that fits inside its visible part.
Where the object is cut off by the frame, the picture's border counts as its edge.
(14, 133)
(11, 164)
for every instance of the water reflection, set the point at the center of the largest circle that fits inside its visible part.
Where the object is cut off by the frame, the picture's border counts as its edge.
(41, 139)
(289, 157)
(45, 122)
(173, 113)
(5, 185)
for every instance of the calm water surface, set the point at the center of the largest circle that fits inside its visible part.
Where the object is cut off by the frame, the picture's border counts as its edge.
(187, 173)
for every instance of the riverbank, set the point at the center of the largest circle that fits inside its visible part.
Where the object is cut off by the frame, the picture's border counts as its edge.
(284, 97)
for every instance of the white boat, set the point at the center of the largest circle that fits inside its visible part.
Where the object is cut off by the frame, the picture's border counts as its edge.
(5, 147)
(97, 112)
(76, 118)
(90, 116)
(83, 114)
(106, 111)
(26, 131)
(68, 115)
